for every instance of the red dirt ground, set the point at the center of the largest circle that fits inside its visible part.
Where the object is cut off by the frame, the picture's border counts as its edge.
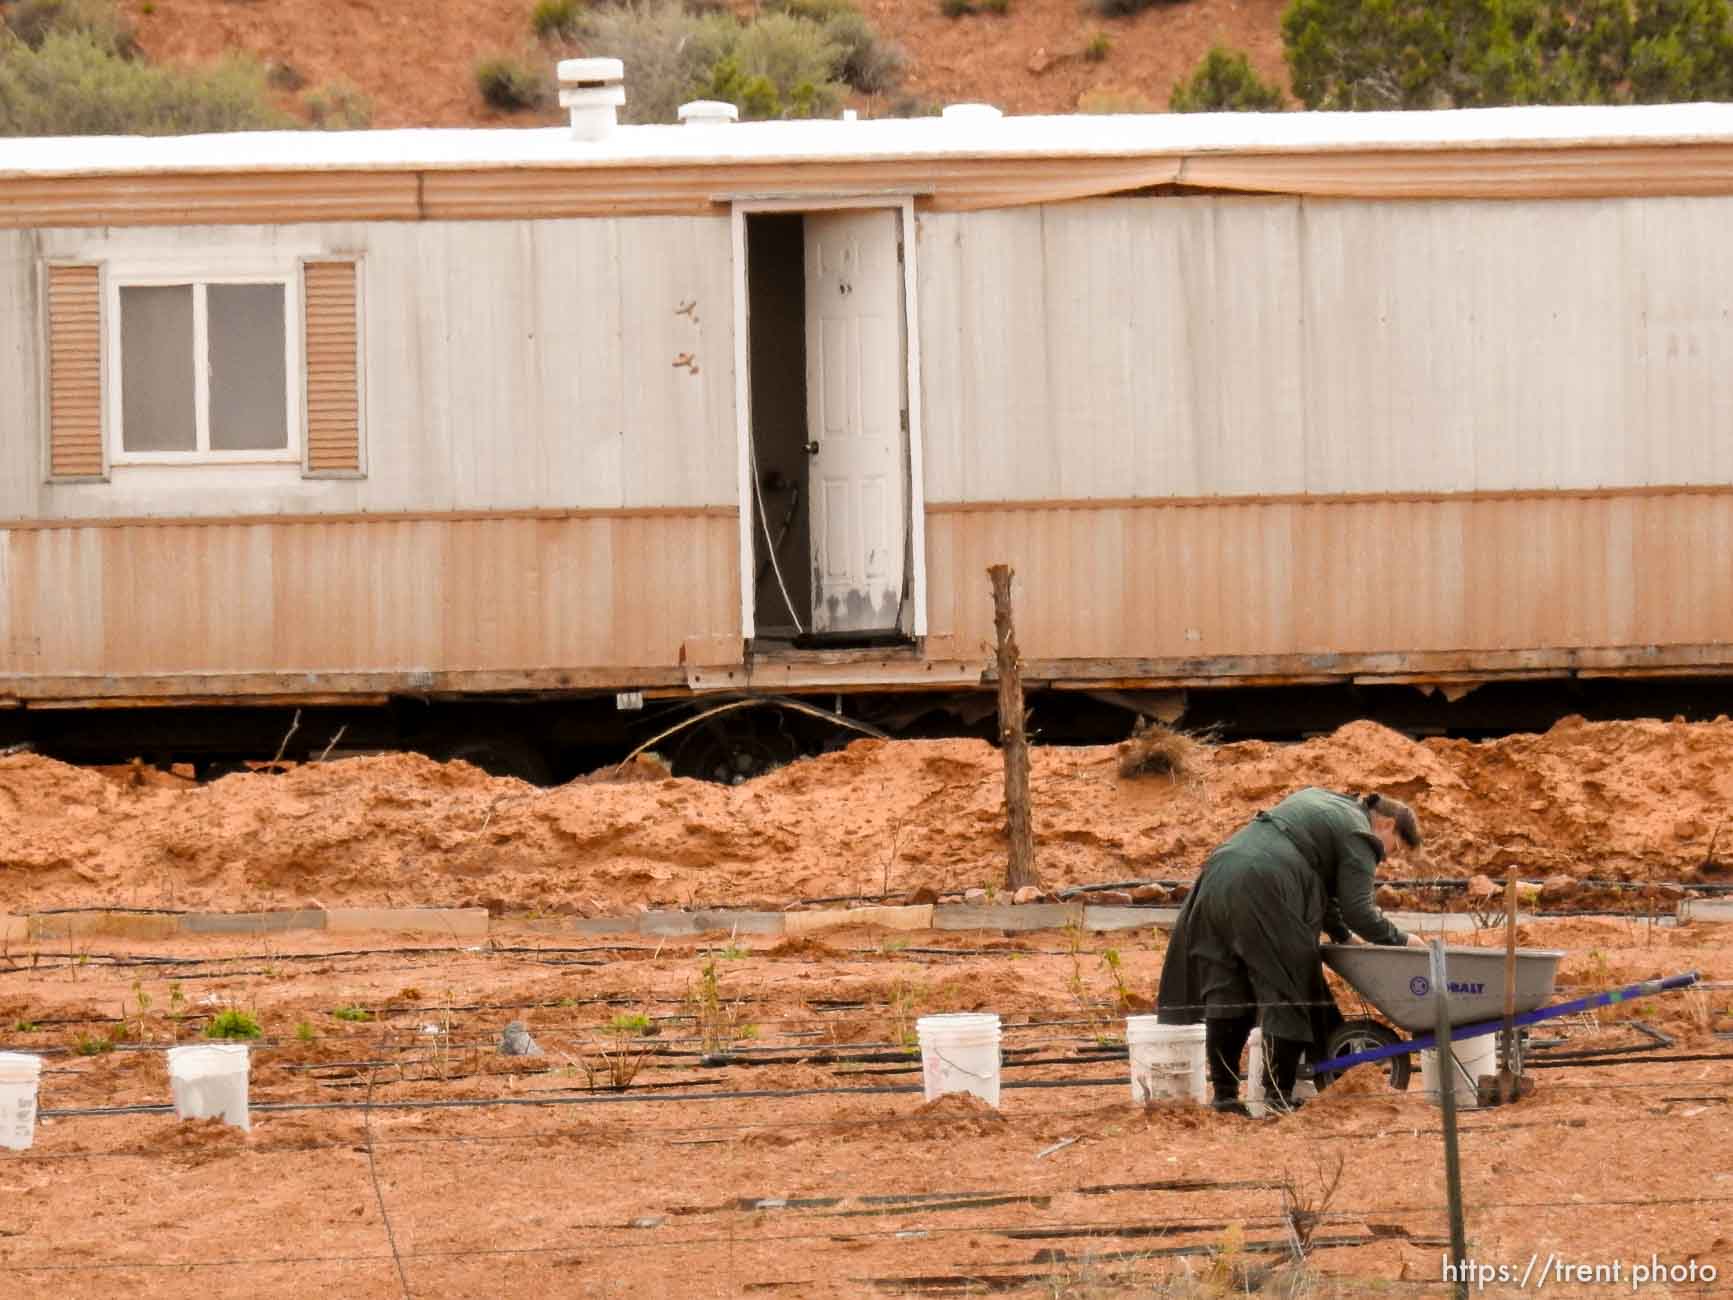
(596, 1196)
(1636, 800)
(548, 1187)
(416, 62)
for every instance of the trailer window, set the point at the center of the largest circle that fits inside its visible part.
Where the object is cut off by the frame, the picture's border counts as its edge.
(204, 371)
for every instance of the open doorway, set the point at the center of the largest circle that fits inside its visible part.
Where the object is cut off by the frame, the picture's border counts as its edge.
(829, 444)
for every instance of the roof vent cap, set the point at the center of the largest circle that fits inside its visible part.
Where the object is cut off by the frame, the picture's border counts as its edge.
(708, 112)
(591, 89)
(970, 112)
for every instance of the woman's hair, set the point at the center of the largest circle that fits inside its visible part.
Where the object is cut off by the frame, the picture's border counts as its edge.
(1407, 824)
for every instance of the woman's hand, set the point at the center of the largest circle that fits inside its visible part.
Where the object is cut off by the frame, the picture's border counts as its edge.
(1415, 941)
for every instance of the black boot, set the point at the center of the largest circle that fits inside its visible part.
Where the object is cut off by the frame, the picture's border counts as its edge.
(1284, 1068)
(1224, 1040)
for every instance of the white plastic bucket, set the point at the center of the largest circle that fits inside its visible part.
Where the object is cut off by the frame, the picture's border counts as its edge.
(1474, 1057)
(960, 1053)
(1254, 1076)
(209, 1080)
(19, 1074)
(1167, 1061)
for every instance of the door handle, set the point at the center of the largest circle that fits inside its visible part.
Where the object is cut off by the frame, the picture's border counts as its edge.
(812, 449)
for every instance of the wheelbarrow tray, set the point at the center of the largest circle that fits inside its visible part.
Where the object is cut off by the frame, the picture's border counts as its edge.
(1398, 981)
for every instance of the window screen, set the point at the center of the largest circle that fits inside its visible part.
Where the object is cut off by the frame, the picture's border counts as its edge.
(156, 342)
(248, 374)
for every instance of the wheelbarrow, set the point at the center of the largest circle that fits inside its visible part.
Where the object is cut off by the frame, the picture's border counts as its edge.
(1397, 982)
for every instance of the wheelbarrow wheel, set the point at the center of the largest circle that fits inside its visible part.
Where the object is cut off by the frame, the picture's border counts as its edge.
(1363, 1035)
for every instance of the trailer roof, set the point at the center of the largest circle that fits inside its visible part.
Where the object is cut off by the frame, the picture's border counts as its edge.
(958, 163)
(1075, 136)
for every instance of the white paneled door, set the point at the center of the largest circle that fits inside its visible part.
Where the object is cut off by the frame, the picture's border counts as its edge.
(856, 399)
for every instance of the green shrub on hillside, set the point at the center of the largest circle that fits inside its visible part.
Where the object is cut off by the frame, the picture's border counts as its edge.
(871, 64)
(74, 83)
(668, 54)
(511, 85)
(778, 66)
(33, 21)
(556, 19)
(1379, 54)
(1225, 82)
(338, 106)
(796, 57)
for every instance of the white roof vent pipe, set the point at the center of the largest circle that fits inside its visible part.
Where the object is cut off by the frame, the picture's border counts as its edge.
(970, 112)
(709, 112)
(592, 90)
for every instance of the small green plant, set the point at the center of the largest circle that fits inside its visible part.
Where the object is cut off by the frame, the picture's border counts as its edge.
(304, 1031)
(509, 84)
(631, 1023)
(177, 1001)
(997, 7)
(1098, 47)
(733, 952)
(147, 8)
(92, 1045)
(718, 1021)
(1114, 965)
(956, 8)
(233, 1023)
(618, 1059)
(902, 1001)
(352, 1013)
(25, 1026)
(556, 19)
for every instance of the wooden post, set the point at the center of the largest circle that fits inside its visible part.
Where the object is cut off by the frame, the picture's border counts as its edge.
(1019, 828)
(1507, 1040)
(1447, 1103)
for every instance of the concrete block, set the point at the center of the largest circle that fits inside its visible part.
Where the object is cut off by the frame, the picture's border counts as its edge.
(436, 922)
(1129, 918)
(1706, 909)
(1430, 923)
(309, 918)
(115, 925)
(740, 922)
(598, 925)
(1031, 916)
(668, 925)
(916, 917)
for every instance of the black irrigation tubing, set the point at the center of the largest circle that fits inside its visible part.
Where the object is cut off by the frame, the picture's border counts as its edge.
(592, 1098)
(732, 1240)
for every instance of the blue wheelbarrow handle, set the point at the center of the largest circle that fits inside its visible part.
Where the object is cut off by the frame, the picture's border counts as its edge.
(1427, 1041)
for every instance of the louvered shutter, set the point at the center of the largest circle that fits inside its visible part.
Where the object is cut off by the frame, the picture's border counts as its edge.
(332, 324)
(74, 293)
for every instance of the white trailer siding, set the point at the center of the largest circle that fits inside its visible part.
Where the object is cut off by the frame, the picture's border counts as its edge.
(1205, 347)
(507, 366)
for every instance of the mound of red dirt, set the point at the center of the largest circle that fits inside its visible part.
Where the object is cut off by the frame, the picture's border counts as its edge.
(1636, 800)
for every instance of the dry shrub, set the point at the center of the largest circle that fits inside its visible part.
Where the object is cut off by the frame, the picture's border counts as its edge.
(1155, 750)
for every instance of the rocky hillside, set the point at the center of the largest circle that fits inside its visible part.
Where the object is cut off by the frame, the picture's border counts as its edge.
(416, 62)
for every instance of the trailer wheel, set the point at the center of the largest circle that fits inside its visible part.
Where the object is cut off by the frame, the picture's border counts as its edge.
(1363, 1035)
(734, 748)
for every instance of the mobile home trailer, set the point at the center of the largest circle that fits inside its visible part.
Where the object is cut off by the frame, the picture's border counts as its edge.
(482, 437)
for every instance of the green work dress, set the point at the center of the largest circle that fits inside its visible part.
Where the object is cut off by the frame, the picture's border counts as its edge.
(1247, 937)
